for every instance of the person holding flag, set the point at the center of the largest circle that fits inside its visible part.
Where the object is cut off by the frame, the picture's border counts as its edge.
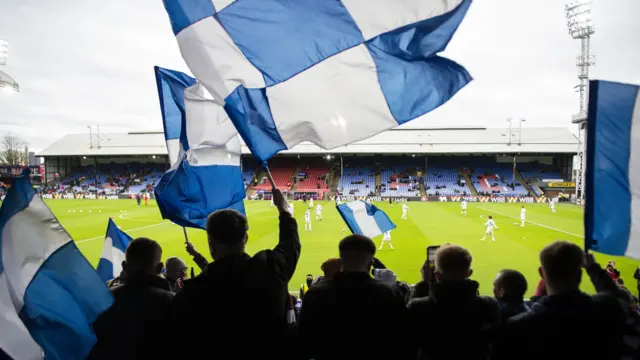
(239, 293)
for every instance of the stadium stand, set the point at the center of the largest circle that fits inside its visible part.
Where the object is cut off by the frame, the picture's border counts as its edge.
(282, 178)
(496, 181)
(113, 178)
(314, 180)
(532, 174)
(359, 181)
(444, 181)
(399, 182)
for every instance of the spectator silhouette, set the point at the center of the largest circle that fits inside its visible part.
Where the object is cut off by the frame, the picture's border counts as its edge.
(338, 314)
(453, 322)
(565, 324)
(330, 268)
(238, 297)
(135, 326)
(176, 273)
(509, 288)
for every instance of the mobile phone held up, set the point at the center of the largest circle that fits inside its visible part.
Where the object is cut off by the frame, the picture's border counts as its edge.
(430, 269)
(431, 253)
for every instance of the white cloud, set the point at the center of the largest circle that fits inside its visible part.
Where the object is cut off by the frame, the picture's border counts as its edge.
(90, 62)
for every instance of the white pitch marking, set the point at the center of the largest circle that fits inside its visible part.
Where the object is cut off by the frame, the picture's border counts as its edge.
(535, 223)
(128, 230)
(126, 218)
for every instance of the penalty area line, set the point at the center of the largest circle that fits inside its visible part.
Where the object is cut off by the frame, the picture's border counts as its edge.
(535, 223)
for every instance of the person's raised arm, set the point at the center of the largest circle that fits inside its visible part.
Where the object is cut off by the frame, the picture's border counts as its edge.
(602, 282)
(198, 258)
(287, 252)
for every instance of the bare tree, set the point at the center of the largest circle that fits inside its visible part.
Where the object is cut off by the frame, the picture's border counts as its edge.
(12, 150)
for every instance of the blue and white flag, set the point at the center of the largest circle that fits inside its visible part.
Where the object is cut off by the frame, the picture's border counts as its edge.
(328, 72)
(113, 252)
(612, 214)
(49, 293)
(365, 219)
(204, 150)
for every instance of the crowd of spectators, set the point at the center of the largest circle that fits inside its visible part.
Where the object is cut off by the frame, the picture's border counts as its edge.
(239, 306)
(104, 183)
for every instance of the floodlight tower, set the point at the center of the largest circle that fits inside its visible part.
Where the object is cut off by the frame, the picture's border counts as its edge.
(7, 84)
(580, 27)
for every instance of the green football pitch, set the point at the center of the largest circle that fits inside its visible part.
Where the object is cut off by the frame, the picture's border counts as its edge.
(432, 223)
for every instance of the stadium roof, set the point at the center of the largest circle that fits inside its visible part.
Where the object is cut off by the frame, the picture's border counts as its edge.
(461, 140)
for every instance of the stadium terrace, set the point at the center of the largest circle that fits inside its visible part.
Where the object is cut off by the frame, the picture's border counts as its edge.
(417, 164)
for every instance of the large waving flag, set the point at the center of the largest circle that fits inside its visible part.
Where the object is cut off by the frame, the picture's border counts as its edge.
(612, 214)
(365, 219)
(329, 72)
(113, 252)
(204, 150)
(49, 293)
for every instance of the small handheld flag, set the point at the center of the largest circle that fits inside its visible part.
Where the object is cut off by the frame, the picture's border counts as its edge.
(365, 219)
(113, 252)
(205, 174)
(612, 213)
(49, 293)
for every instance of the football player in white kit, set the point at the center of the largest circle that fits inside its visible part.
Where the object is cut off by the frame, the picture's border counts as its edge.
(463, 207)
(405, 208)
(291, 209)
(490, 224)
(272, 202)
(319, 212)
(338, 201)
(552, 205)
(386, 238)
(307, 220)
(523, 214)
(311, 203)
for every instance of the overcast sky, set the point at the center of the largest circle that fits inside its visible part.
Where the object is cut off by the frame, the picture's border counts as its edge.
(90, 62)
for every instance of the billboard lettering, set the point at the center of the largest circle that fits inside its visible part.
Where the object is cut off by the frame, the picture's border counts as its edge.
(561, 184)
(485, 199)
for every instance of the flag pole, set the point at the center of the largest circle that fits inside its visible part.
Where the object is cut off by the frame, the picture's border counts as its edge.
(266, 168)
(186, 237)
